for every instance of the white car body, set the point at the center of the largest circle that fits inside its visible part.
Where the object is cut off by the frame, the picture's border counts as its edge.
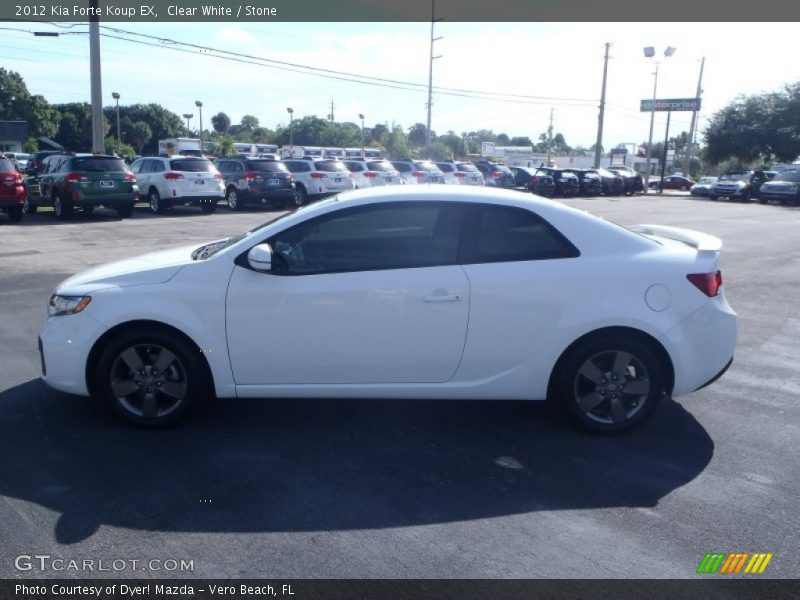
(488, 330)
(373, 173)
(320, 177)
(419, 171)
(175, 184)
(461, 173)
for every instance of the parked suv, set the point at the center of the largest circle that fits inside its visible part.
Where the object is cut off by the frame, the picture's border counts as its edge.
(419, 171)
(495, 174)
(179, 180)
(591, 183)
(566, 184)
(784, 187)
(634, 182)
(460, 173)
(12, 194)
(86, 181)
(743, 185)
(372, 173)
(257, 180)
(315, 177)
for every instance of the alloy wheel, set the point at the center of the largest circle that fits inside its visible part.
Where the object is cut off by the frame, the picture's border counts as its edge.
(233, 199)
(148, 380)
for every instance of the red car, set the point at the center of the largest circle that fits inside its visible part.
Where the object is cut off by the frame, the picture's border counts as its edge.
(674, 182)
(12, 194)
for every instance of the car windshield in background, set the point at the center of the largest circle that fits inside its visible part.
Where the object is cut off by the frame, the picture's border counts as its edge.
(355, 167)
(381, 165)
(468, 168)
(91, 164)
(191, 166)
(793, 177)
(707, 180)
(330, 166)
(6, 166)
(266, 166)
(735, 177)
(503, 169)
(607, 173)
(445, 168)
(427, 167)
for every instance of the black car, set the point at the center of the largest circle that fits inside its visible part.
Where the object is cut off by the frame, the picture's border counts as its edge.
(566, 183)
(495, 174)
(591, 184)
(257, 180)
(36, 158)
(533, 180)
(613, 183)
(634, 182)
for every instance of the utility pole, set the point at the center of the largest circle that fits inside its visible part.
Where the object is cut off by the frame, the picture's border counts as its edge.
(550, 137)
(650, 137)
(331, 115)
(98, 141)
(598, 147)
(430, 72)
(666, 152)
(688, 165)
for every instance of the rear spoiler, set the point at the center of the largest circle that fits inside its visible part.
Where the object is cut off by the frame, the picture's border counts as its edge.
(702, 242)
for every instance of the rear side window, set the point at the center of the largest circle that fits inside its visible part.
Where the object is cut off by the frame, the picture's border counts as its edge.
(467, 168)
(503, 169)
(266, 166)
(330, 166)
(445, 167)
(6, 166)
(380, 165)
(90, 164)
(191, 166)
(355, 167)
(297, 166)
(403, 167)
(508, 233)
(427, 167)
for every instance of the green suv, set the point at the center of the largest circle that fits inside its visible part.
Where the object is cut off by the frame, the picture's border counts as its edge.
(85, 181)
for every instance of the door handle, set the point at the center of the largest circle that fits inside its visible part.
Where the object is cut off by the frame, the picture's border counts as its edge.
(442, 298)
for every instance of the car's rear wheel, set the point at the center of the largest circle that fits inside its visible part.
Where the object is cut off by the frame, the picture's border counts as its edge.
(232, 196)
(89, 208)
(296, 200)
(125, 211)
(208, 207)
(301, 196)
(611, 383)
(712, 196)
(29, 206)
(61, 208)
(15, 214)
(157, 206)
(150, 377)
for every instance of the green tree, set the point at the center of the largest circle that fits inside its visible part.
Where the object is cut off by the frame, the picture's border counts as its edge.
(114, 147)
(139, 134)
(162, 122)
(75, 126)
(225, 147)
(436, 151)
(503, 139)
(521, 141)
(17, 104)
(396, 143)
(455, 144)
(249, 122)
(221, 122)
(418, 135)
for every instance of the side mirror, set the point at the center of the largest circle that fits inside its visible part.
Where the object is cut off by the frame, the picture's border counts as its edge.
(260, 258)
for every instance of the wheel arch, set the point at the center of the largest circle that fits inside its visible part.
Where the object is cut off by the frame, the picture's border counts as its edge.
(103, 340)
(660, 350)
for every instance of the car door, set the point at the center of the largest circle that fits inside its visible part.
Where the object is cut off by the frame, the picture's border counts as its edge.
(364, 295)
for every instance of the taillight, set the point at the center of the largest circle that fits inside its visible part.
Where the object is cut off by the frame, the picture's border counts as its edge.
(708, 283)
(317, 175)
(534, 180)
(251, 175)
(418, 174)
(289, 176)
(172, 176)
(11, 179)
(459, 174)
(76, 177)
(497, 174)
(370, 174)
(217, 176)
(129, 176)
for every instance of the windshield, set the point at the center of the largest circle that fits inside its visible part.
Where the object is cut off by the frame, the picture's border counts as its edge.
(191, 166)
(793, 177)
(266, 166)
(427, 167)
(707, 180)
(468, 168)
(91, 164)
(355, 167)
(445, 167)
(380, 165)
(735, 177)
(330, 166)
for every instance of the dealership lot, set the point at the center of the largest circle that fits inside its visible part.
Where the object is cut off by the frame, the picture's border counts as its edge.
(407, 489)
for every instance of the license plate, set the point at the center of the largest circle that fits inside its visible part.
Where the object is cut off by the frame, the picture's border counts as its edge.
(200, 181)
(106, 184)
(337, 180)
(273, 181)
(389, 179)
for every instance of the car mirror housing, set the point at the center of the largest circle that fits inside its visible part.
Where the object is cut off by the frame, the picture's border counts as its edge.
(260, 258)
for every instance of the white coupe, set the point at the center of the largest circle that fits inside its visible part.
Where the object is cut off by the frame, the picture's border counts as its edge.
(431, 292)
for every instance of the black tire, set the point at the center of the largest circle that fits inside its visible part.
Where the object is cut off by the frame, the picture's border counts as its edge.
(185, 375)
(88, 209)
(62, 209)
(747, 196)
(157, 206)
(764, 200)
(232, 198)
(295, 202)
(30, 206)
(602, 390)
(125, 211)
(712, 196)
(302, 195)
(15, 214)
(208, 207)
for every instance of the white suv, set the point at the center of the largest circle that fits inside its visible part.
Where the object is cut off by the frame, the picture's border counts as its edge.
(419, 171)
(461, 173)
(372, 173)
(315, 178)
(179, 180)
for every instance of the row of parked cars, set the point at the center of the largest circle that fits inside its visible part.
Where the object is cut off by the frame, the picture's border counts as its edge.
(74, 181)
(783, 187)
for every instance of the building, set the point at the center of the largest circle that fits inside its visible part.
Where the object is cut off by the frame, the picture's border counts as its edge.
(13, 136)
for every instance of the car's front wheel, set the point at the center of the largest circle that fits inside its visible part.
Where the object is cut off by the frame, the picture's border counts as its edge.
(29, 206)
(151, 377)
(232, 197)
(15, 214)
(157, 207)
(61, 208)
(611, 383)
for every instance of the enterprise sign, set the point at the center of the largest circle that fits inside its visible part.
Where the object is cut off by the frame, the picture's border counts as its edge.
(671, 104)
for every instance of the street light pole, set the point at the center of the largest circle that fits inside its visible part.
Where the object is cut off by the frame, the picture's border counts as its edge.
(199, 106)
(98, 141)
(290, 110)
(430, 72)
(187, 116)
(363, 142)
(598, 147)
(688, 166)
(115, 96)
(649, 52)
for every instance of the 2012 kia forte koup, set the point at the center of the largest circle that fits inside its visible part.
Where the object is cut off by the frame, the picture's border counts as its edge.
(431, 292)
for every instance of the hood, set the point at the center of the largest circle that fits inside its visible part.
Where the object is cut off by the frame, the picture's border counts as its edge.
(156, 267)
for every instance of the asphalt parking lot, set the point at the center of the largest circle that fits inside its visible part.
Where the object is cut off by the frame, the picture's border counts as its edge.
(326, 489)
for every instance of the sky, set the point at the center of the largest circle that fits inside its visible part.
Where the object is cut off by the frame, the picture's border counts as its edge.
(560, 64)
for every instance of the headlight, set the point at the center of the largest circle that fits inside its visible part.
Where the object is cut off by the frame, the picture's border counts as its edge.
(67, 305)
